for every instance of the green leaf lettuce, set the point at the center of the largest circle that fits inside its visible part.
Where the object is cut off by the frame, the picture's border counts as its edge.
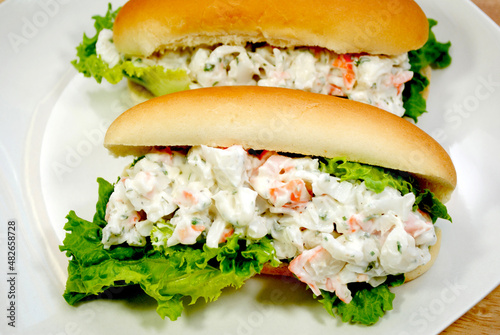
(156, 79)
(368, 303)
(434, 54)
(377, 179)
(169, 275)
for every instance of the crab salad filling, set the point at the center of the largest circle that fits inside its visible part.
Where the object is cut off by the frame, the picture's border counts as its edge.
(377, 80)
(331, 232)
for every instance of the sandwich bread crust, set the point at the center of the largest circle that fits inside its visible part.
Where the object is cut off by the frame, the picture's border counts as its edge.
(392, 27)
(284, 120)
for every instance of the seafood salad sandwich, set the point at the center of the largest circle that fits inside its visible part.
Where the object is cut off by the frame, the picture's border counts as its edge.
(225, 183)
(376, 52)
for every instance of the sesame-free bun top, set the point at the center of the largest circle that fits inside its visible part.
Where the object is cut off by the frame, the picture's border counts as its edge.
(283, 120)
(391, 27)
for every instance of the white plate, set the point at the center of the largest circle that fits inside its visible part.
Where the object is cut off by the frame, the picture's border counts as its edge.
(52, 123)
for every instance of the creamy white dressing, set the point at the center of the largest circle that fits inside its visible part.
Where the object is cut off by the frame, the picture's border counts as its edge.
(333, 232)
(377, 80)
(105, 48)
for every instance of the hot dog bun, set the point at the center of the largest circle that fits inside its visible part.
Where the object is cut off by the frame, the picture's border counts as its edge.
(143, 27)
(284, 120)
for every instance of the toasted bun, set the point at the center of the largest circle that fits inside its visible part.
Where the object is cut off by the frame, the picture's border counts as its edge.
(143, 27)
(282, 269)
(284, 120)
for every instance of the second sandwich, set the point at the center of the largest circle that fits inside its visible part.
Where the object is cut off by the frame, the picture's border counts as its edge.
(367, 51)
